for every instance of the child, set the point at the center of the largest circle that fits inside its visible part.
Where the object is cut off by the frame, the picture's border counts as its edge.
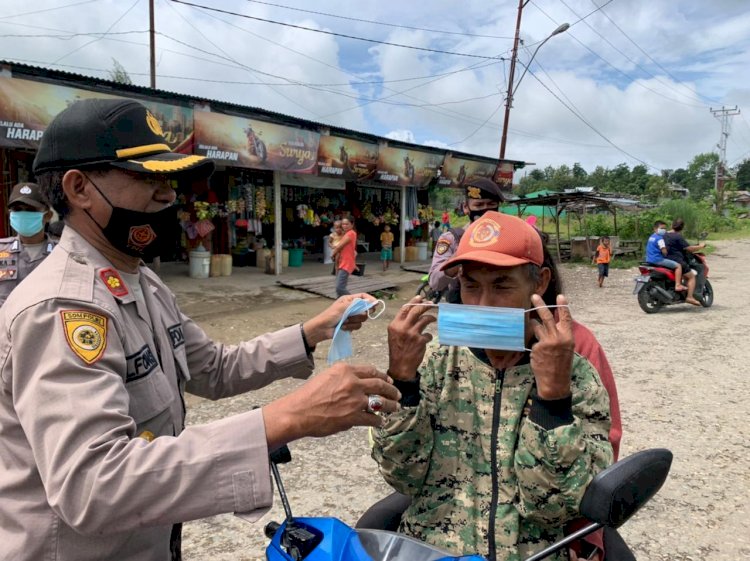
(337, 233)
(386, 247)
(602, 258)
(446, 220)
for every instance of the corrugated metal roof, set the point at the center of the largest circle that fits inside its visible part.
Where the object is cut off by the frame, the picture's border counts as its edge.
(110, 86)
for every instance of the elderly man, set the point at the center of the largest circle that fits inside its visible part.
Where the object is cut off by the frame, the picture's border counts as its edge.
(503, 426)
(95, 458)
(19, 255)
(482, 194)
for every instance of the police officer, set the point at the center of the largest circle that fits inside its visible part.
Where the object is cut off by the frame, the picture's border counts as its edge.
(19, 255)
(482, 194)
(95, 356)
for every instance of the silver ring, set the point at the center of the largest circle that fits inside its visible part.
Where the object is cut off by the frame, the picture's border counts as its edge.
(374, 403)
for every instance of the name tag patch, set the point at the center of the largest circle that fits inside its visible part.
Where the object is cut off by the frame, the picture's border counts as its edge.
(140, 364)
(176, 335)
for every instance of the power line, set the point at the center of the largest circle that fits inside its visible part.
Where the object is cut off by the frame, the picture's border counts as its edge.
(677, 81)
(584, 121)
(248, 68)
(400, 45)
(48, 9)
(68, 36)
(441, 31)
(446, 113)
(628, 76)
(126, 12)
(692, 96)
(476, 130)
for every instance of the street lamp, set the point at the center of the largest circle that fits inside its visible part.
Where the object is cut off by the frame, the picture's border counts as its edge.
(511, 89)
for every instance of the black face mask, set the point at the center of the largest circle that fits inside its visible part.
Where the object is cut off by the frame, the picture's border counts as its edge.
(133, 232)
(474, 214)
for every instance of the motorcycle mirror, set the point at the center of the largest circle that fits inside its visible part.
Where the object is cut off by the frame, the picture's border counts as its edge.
(618, 492)
(281, 455)
(703, 235)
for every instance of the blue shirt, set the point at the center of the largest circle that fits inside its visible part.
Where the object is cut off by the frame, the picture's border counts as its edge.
(653, 248)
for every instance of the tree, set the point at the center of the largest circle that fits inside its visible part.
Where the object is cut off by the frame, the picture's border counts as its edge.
(579, 173)
(639, 180)
(701, 174)
(118, 73)
(743, 176)
(657, 188)
(598, 178)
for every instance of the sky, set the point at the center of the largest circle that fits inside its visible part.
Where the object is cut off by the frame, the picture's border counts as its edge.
(631, 81)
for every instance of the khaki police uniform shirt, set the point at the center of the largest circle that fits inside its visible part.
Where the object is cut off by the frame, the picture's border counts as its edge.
(445, 247)
(16, 263)
(95, 461)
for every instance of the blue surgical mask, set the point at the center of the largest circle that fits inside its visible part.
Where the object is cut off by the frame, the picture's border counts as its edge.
(27, 223)
(341, 345)
(482, 327)
(661, 231)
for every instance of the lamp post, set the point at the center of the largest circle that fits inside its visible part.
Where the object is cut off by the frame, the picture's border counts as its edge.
(511, 89)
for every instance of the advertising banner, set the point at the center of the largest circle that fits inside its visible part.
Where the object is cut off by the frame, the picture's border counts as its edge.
(27, 108)
(346, 158)
(457, 171)
(399, 166)
(243, 142)
(504, 176)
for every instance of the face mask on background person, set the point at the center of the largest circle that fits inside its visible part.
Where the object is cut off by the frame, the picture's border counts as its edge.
(661, 231)
(133, 232)
(27, 223)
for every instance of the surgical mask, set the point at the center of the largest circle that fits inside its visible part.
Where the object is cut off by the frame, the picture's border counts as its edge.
(133, 232)
(27, 223)
(661, 231)
(341, 345)
(482, 327)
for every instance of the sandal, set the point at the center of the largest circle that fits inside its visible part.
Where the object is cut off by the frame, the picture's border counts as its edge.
(680, 288)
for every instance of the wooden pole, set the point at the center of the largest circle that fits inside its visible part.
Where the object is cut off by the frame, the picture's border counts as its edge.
(152, 43)
(557, 229)
(277, 221)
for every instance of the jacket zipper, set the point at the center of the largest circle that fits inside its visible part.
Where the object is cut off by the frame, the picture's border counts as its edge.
(492, 546)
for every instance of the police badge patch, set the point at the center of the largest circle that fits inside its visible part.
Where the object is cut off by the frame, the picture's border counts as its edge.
(442, 246)
(86, 334)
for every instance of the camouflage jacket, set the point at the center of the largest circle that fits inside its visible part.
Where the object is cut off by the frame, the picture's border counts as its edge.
(484, 477)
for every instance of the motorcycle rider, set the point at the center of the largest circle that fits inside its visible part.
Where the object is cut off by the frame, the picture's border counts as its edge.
(656, 254)
(677, 250)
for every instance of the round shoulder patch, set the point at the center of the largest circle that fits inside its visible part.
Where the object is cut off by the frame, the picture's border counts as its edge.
(442, 246)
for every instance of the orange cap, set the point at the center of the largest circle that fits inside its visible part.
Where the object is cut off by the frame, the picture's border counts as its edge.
(500, 240)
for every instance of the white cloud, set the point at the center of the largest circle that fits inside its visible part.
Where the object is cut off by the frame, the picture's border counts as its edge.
(402, 135)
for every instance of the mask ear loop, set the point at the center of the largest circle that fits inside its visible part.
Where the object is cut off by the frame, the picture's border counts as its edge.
(552, 306)
(376, 315)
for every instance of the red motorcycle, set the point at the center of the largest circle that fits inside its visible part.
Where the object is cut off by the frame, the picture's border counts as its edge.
(655, 286)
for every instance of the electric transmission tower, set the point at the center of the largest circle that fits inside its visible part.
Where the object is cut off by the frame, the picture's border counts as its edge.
(723, 115)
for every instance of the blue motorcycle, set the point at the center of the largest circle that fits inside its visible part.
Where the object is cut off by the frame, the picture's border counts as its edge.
(612, 497)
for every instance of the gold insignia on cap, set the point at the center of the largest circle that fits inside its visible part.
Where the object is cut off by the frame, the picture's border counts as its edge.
(86, 334)
(485, 233)
(153, 123)
(442, 247)
(171, 165)
(474, 192)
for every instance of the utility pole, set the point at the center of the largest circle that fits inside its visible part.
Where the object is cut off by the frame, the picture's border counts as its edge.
(723, 115)
(509, 96)
(152, 42)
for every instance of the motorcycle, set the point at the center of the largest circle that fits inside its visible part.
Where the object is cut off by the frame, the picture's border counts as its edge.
(655, 287)
(255, 146)
(424, 289)
(613, 497)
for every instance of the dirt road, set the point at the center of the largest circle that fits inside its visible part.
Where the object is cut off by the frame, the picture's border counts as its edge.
(682, 380)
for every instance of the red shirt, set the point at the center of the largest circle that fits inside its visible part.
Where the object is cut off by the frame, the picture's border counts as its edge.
(347, 256)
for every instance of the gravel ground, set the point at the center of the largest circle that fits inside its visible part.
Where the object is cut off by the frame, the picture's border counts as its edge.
(681, 378)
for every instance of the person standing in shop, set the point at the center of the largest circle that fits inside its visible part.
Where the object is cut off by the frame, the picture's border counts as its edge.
(19, 255)
(345, 255)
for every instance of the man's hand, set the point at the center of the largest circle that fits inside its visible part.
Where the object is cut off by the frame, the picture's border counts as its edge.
(321, 327)
(406, 340)
(332, 401)
(552, 355)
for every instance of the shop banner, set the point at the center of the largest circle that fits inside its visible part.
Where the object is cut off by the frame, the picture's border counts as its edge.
(504, 176)
(346, 158)
(243, 142)
(457, 171)
(27, 108)
(399, 166)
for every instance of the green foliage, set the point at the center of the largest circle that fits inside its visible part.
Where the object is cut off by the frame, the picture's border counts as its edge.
(119, 74)
(600, 225)
(743, 176)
